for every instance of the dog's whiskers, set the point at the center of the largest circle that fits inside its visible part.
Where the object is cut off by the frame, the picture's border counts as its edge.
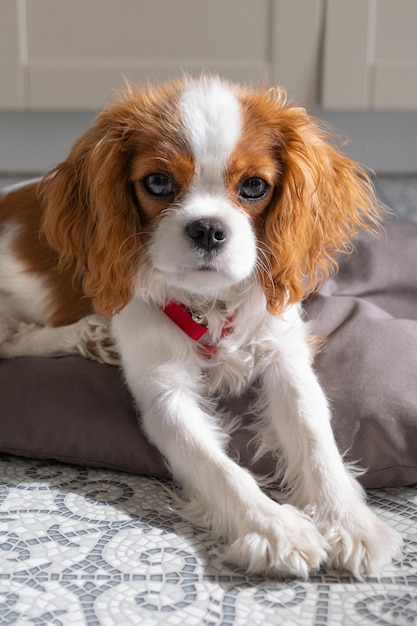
(263, 264)
(124, 242)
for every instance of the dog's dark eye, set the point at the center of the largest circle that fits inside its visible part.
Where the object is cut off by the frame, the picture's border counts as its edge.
(159, 184)
(253, 188)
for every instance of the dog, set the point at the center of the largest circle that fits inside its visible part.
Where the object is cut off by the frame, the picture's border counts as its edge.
(187, 225)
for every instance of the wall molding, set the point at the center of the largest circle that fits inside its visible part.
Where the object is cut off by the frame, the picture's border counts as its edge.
(34, 141)
(385, 141)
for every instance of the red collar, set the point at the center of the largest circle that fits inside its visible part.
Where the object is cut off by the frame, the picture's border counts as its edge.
(194, 325)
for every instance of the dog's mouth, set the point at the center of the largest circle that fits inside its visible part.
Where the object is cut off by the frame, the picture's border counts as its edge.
(201, 278)
(203, 267)
(206, 268)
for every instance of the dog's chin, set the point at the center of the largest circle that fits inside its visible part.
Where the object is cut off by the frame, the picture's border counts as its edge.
(205, 279)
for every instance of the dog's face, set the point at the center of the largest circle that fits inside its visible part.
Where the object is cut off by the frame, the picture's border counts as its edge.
(209, 185)
(203, 188)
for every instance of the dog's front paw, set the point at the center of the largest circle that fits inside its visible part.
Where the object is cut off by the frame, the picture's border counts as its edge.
(96, 341)
(360, 542)
(286, 544)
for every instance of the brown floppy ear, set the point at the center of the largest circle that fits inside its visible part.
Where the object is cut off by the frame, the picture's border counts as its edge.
(323, 200)
(90, 217)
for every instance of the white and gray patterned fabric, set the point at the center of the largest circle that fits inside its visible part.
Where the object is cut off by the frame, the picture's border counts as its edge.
(96, 547)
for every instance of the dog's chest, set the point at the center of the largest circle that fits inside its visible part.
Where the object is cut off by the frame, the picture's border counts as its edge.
(229, 371)
(223, 342)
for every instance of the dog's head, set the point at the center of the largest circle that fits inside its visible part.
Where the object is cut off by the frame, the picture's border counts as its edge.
(209, 185)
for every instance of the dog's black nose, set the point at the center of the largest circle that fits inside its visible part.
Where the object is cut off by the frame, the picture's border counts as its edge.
(207, 234)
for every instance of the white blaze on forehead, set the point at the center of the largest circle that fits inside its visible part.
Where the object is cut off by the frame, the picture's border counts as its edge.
(212, 119)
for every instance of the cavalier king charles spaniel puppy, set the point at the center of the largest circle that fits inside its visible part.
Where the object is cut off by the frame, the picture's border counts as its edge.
(187, 225)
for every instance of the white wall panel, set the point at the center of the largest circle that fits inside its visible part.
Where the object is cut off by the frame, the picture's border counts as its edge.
(345, 73)
(91, 86)
(396, 30)
(12, 63)
(340, 54)
(297, 31)
(395, 86)
(151, 30)
(75, 63)
(370, 55)
(70, 54)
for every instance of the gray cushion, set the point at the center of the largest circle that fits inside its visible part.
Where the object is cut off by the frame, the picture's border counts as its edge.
(77, 411)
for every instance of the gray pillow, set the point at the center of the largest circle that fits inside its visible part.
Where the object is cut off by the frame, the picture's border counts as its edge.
(77, 411)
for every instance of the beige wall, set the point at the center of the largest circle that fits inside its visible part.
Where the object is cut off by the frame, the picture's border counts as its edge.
(370, 55)
(69, 54)
(339, 54)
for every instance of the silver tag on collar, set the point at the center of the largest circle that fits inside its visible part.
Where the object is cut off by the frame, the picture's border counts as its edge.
(199, 318)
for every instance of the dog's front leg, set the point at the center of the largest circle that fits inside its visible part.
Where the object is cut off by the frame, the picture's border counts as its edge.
(296, 421)
(163, 372)
(89, 337)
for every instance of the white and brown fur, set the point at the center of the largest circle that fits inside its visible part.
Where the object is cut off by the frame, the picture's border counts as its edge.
(95, 243)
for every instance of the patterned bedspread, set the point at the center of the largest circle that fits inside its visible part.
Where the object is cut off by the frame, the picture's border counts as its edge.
(82, 546)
